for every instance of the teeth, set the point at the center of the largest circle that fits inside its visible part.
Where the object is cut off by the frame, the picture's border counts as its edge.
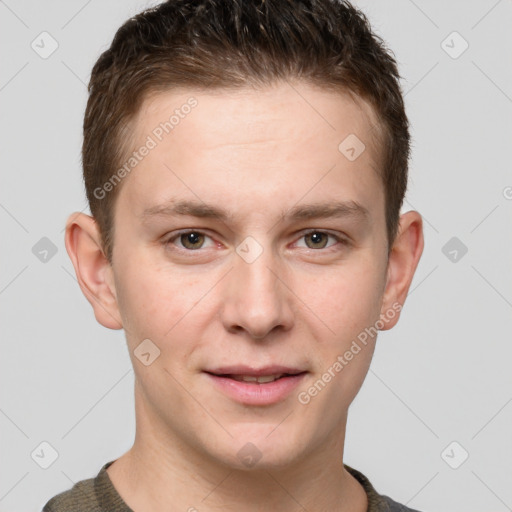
(251, 378)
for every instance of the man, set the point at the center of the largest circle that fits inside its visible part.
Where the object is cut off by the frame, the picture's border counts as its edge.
(245, 163)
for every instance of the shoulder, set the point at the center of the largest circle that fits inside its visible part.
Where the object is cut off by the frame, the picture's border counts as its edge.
(393, 506)
(80, 497)
(377, 502)
(95, 494)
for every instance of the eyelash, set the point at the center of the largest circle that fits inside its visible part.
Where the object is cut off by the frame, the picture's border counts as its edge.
(168, 241)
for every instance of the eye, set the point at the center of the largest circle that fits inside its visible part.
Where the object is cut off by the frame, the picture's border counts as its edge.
(192, 240)
(189, 240)
(316, 239)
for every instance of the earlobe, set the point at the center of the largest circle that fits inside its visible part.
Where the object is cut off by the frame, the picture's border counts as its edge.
(402, 264)
(93, 271)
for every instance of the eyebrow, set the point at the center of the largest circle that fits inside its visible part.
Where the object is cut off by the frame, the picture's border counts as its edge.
(336, 209)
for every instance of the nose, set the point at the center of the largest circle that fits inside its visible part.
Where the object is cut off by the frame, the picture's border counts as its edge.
(257, 299)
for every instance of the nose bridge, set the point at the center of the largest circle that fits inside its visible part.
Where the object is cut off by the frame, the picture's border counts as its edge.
(256, 299)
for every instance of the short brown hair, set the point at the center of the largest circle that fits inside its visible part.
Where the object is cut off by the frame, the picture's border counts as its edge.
(219, 44)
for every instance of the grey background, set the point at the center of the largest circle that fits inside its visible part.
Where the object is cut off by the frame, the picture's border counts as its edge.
(441, 375)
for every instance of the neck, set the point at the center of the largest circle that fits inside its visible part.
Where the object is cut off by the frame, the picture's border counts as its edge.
(161, 471)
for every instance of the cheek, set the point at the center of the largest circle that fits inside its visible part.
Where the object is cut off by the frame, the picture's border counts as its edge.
(345, 300)
(147, 299)
(164, 305)
(345, 304)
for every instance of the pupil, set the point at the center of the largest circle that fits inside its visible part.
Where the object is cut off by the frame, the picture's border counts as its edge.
(316, 238)
(191, 239)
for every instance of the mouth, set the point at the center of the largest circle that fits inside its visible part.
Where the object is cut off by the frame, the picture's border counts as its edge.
(255, 379)
(256, 386)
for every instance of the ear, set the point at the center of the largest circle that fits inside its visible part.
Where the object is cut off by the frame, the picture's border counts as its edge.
(93, 271)
(402, 262)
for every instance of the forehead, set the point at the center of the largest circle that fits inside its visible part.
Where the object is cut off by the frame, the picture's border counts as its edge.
(280, 139)
(247, 115)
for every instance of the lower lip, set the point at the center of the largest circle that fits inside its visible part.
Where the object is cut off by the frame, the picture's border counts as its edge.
(257, 394)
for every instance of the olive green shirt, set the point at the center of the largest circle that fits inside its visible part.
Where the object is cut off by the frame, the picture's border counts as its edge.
(98, 494)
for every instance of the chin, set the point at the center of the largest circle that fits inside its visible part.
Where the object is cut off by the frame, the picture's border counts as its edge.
(262, 447)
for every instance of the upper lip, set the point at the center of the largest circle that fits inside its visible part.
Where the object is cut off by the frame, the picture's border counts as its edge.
(248, 370)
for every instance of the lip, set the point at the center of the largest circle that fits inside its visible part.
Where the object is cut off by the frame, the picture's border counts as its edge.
(241, 369)
(249, 393)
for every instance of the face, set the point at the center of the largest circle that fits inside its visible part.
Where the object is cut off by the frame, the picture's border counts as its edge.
(247, 244)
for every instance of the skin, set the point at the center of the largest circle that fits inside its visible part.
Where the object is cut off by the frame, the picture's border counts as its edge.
(301, 303)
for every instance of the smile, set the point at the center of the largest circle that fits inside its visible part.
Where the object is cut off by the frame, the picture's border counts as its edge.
(250, 389)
